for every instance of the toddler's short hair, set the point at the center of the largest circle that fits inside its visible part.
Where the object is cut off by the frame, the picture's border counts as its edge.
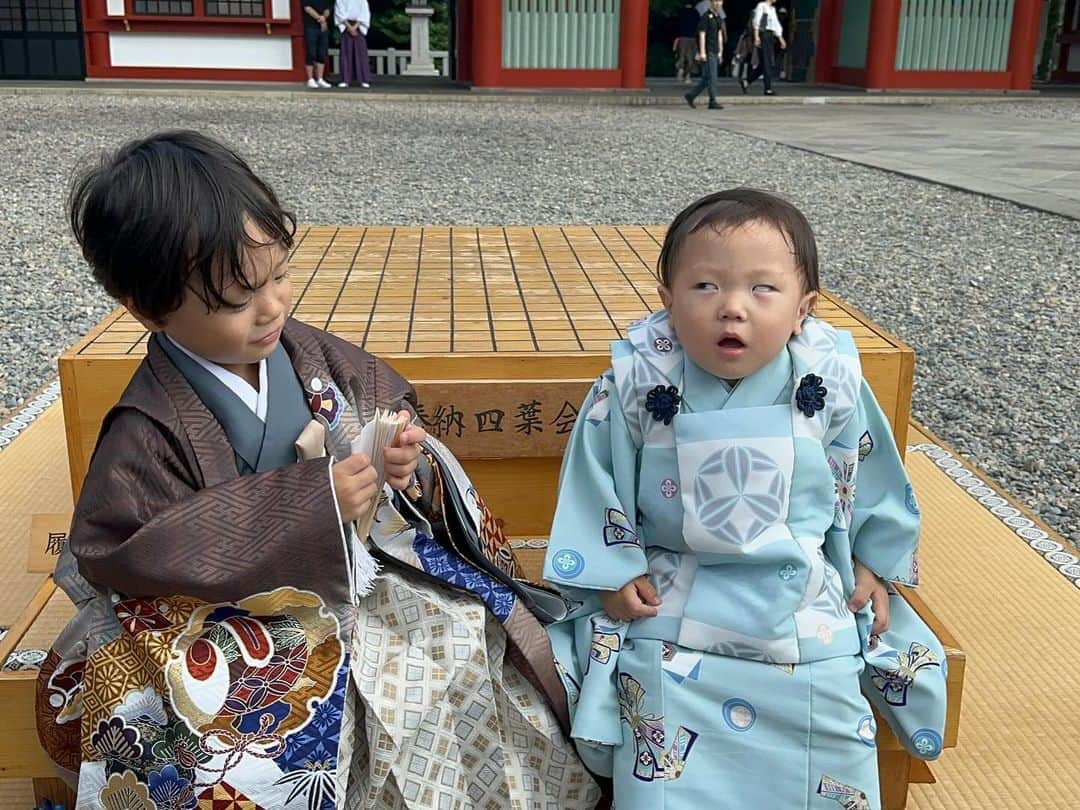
(163, 209)
(726, 210)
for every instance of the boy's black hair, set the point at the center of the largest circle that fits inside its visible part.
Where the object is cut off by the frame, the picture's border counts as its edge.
(166, 214)
(734, 208)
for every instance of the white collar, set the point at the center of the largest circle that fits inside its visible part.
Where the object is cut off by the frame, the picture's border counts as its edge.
(255, 400)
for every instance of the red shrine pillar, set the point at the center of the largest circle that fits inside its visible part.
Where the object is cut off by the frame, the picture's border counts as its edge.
(881, 44)
(1022, 43)
(486, 43)
(633, 42)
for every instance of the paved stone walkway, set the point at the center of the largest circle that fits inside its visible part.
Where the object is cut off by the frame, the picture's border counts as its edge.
(1028, 160)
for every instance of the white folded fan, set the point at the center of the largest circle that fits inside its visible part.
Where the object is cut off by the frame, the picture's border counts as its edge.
(380, 432)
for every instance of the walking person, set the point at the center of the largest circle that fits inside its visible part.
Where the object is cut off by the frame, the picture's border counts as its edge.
(767, 32)
(710, 34)
(353, 18)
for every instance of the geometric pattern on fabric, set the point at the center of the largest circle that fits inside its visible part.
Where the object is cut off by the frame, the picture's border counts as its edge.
(224, 796)
(447, 722)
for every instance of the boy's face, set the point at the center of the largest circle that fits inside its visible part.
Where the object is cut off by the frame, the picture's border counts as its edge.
(736, 298)
(236, 336)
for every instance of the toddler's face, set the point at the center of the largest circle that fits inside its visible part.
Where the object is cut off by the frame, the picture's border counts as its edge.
(736, 298)
(248, 328)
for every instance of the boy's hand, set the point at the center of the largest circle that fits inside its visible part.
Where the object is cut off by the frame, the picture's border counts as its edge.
(354, 485)
(402, 457)
(637, 599)
(870, 587)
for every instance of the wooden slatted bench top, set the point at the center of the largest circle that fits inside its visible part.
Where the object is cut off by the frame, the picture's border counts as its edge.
(528, 291)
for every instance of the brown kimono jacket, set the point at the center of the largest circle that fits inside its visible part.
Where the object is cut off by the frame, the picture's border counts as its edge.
(184, 554)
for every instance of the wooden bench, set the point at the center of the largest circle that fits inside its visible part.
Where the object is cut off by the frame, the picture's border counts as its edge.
(502, 331)
(21, 756)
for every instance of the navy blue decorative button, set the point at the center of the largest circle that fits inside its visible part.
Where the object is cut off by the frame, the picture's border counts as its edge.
(568, 563)
(662, 345)
(810, 396)
(663, 403)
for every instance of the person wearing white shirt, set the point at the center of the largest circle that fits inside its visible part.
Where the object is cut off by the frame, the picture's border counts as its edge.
(767, 32)
(353, 18)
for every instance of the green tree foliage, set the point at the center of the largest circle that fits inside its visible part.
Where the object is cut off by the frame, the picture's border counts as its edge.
(663, 24)
(390, 24)
(1049, 43)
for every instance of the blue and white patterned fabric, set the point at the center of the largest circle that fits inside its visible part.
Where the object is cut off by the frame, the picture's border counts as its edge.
(745, 509)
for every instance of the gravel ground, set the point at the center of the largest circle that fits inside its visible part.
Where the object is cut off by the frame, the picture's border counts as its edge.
(1029, 110)
(984, 291)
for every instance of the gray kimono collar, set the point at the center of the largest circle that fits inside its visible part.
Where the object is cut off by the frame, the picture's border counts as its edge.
(258, 446)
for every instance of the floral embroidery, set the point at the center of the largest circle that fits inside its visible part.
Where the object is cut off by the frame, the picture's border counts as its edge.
(140, 615)
(318, 740)
(652, 761)
(618, 531)
(844, 479)
(180, 746)
(605, 641)
(117, 740)
(170, 791)
(125, 790)
(894, 682)
(663, 403)
(810, 396)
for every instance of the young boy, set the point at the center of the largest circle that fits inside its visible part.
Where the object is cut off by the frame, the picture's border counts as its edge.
(708, 526)
(233, 643)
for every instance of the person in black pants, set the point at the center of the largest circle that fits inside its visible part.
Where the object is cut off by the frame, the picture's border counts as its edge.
(710, 46)
(316, 40)
(767, 32)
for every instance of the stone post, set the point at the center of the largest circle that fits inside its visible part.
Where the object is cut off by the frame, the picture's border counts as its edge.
(420, 61)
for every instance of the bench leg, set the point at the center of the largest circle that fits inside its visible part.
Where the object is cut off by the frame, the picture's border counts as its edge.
(54, 789)
(895, 770)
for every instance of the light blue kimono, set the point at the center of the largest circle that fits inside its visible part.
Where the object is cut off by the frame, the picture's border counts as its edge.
(744, 506)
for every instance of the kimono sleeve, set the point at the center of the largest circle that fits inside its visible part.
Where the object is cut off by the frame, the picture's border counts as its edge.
(144, 527)
(594, 544)
(883, 526)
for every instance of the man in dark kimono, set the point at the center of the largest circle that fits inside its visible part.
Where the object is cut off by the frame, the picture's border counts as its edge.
(237, 641)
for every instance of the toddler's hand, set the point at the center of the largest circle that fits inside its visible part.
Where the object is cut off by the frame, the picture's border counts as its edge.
(870, 587)
(401, 459)
(354, 485)
(637, 599)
